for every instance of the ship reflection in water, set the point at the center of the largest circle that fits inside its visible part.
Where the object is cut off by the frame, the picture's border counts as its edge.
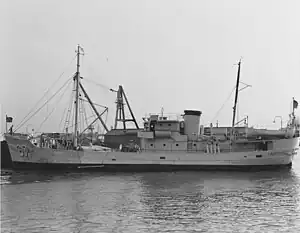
(266, 201)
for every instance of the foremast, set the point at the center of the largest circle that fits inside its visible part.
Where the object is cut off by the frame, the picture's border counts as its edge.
(78, 86)
(77, 83)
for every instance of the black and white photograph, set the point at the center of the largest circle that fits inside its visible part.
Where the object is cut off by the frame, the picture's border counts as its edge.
(140, 116)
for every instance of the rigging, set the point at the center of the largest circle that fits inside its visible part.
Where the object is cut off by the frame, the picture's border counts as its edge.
(55, 106)
(20, 125)
(37, 103)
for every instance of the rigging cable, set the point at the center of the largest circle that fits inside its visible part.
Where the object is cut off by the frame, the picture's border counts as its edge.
(93, 112)
(68, 116)
(96, 118)
(65, 113)
(19, 126)
(98, 84)
(81, 116)
(223, 105)
(103, 86)
(59, 99)
(88, 118)
(73, 117)
(85, 115)
(59, 77)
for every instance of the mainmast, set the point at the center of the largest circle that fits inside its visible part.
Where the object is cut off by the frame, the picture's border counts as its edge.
(236, 94)
(77, 80)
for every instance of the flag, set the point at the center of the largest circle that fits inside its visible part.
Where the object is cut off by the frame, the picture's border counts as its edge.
(295, 104)
(9, 119)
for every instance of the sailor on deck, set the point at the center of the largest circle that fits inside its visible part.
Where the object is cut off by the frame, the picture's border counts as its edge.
(218, 145)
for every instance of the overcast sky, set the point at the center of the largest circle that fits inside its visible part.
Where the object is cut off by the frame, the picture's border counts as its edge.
(175, 54)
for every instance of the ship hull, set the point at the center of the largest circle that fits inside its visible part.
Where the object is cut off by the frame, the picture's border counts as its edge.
(6, 162)
(26, 156)
(142, 167)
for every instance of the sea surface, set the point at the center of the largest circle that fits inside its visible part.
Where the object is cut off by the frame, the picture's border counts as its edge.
(267, 201)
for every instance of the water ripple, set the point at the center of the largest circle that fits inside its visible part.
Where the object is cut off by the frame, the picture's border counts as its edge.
(151, 202)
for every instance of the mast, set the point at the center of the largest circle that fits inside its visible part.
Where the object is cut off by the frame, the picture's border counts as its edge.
(120, 111)
(236, 94)
(76, 80)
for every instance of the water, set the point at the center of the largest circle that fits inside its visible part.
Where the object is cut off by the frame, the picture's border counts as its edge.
(152, 202)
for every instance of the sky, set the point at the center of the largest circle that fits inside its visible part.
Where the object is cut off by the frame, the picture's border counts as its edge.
(172, 54)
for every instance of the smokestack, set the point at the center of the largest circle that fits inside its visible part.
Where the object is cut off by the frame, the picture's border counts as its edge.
(192, 123)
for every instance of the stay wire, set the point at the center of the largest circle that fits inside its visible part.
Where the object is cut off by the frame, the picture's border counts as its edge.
(59, 77)
(73, 117)
(97, 84)
(63, 116)
(43, 105)
(59, 99)
(88, 118)
(84, 111)
(69, 113)
(66, 112)
(218, 112)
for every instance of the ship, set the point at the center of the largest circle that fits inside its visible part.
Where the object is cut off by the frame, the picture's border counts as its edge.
(165, 144)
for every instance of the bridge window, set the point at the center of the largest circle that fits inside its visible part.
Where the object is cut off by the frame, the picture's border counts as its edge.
(151, 144)
(164, 144)
(177, 145)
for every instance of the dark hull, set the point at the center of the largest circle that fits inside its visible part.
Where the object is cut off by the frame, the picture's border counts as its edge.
(6, 162)
(138, 167)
